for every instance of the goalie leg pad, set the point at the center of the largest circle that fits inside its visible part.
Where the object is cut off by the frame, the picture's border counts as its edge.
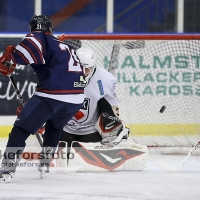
(97, 157)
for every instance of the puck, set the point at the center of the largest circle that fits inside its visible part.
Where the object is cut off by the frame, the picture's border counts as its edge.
(162, 109)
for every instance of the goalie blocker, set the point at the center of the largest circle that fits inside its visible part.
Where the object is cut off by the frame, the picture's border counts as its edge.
(110, 127)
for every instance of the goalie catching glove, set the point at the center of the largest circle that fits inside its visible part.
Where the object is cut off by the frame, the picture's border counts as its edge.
(111, 128)
(6, 66)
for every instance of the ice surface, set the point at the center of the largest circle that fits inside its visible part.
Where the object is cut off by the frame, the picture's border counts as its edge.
(150, 184)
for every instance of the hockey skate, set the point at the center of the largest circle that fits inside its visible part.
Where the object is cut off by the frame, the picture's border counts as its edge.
(45, 159)
(7, 170)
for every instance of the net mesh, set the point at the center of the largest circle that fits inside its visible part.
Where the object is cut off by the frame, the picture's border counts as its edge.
(152, 74)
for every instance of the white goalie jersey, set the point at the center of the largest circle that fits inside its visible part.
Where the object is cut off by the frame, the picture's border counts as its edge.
(101, 84)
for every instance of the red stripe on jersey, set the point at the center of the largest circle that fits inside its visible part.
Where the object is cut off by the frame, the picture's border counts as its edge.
(30, 51)
(40, 52)
(22, 56)
(60, 91)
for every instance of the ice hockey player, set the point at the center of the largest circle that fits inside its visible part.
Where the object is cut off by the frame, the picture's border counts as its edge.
(98, 120)
(58, 96)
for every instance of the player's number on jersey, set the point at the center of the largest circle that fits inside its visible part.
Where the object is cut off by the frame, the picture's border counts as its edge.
(73, 61)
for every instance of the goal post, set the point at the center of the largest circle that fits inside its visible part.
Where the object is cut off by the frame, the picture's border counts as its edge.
(153, 71)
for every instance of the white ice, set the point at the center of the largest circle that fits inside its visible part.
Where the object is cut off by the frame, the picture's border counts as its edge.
(151, 183)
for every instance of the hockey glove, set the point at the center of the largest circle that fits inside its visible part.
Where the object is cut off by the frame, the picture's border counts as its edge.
(18, 110)
(111, 128)
(6, 67)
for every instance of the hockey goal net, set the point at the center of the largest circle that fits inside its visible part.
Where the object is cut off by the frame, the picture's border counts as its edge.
(152, 71)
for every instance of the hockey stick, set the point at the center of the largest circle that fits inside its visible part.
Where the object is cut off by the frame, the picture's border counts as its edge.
(22, 102)
(165, 166)
(116, 49)
(113, 65)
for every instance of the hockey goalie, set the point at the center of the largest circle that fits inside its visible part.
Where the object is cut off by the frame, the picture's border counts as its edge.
(96, 139)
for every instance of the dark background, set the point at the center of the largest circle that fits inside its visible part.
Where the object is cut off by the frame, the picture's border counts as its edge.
(130, 16)
(8, 105)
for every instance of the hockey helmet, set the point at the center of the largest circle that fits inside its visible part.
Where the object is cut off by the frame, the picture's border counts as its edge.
(42, 23)
(87, 59)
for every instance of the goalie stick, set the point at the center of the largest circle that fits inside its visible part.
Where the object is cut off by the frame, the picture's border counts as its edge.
(116, 49)
(167, 167)
(22, 102)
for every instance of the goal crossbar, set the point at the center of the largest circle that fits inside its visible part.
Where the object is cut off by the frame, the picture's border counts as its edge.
(130, 36)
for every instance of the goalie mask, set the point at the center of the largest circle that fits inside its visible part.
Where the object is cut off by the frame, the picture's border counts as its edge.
(42, 23)
(87, 60)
